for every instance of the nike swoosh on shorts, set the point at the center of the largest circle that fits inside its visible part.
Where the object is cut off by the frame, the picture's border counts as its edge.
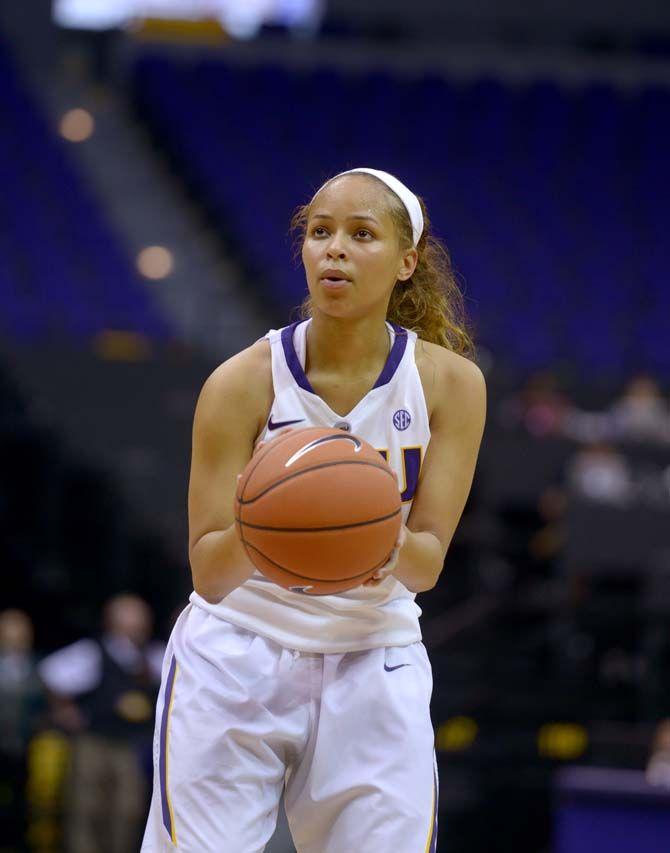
(391, 668)
(278, 424)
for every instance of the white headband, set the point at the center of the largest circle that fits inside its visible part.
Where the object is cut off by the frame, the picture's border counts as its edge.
(405, 195)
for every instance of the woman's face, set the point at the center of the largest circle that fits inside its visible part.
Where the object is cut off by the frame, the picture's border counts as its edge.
(351, 252)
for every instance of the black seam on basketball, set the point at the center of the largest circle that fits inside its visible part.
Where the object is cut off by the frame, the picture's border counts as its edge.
(304, 577)
(319, 529)
(246, 546)
(316, 468)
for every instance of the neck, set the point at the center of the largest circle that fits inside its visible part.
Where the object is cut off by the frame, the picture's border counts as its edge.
(346, 345)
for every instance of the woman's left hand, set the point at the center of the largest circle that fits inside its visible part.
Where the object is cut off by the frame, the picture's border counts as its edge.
(390, 565)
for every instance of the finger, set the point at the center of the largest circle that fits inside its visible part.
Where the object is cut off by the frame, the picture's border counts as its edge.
(382, 573)
(263, 438)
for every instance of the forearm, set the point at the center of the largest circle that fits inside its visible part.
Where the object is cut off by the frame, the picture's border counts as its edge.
(420, 561)
(219, 564)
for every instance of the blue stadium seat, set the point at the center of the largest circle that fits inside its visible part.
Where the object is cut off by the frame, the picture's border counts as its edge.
(62, 273)
(550, 199)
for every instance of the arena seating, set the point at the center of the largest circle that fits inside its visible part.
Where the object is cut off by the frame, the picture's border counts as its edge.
(63, 274)
(559, 245)
(562, 253)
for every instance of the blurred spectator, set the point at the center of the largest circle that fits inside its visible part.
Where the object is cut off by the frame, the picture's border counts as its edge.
(641, 413)
(600, 473)
(21, 698)
(539, 407)
(658, 766)
(587, 427)
(103, 693)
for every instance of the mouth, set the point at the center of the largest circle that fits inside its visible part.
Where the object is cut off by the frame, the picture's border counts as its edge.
(334, 283)
(334, 279)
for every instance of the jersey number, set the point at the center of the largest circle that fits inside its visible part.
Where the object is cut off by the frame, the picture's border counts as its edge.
(411, 466)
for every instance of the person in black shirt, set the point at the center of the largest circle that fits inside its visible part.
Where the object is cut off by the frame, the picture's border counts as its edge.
(103, 692)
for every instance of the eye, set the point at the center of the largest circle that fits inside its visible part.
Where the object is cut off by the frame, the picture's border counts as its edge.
(364, 232)
(318, 231)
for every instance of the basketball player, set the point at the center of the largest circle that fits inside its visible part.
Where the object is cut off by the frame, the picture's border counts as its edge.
(325, 698)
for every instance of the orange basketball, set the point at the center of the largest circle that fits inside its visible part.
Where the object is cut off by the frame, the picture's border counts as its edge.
(318, 510)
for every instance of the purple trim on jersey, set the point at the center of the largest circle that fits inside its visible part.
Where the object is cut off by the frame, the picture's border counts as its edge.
(394, 357)
(292, 360)
(388, 371)
(411, 464)
(162, 757)
(432, 847)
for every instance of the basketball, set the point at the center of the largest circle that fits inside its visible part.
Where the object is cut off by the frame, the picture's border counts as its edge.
(318, 510)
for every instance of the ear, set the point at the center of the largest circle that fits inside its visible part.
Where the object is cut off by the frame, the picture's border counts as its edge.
(408, 263)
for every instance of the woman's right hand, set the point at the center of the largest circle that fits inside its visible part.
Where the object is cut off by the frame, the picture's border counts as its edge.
(260, 441)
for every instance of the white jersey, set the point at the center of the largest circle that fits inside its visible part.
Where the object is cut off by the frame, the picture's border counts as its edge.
(393, 418)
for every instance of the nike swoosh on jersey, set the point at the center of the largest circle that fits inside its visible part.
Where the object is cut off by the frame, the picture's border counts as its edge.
(391, 668)
(278, 424)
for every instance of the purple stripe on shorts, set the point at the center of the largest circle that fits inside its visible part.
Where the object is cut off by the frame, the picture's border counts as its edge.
(292, 360)
(395, 356)
(432, 847)
(162, 759)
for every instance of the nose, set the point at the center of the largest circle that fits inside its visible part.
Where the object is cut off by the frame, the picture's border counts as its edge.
(335, 249)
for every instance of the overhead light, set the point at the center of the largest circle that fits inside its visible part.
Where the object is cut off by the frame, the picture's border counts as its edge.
(155, 262)
(77, 125)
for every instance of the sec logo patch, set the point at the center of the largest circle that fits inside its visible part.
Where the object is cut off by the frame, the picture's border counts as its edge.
(401, 419)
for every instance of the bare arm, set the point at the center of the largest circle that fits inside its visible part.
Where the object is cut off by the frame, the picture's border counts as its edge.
(231, 411)
(458, 390)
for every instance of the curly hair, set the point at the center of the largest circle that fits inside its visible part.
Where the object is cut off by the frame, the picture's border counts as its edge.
(429, 303)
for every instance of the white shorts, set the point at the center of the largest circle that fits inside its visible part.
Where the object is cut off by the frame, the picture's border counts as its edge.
(348, 737)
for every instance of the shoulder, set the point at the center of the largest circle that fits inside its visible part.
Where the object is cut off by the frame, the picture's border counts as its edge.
(450, 381)
(234, 373)
(241, 386)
